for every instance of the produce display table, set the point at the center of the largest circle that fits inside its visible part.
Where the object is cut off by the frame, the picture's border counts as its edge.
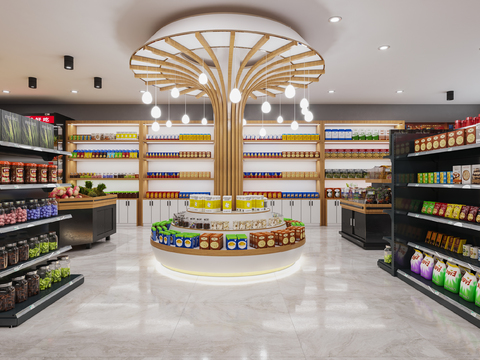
(229, 262)
(93, 218)
(365, 224)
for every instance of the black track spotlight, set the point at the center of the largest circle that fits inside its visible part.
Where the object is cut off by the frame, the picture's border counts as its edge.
(450, 95)
(32, 82)
(97, 82)
(68, 62)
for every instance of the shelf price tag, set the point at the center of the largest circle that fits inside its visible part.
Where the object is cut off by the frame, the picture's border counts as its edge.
(31, 307)
(16, 268)
(474, 314)
(70, 283)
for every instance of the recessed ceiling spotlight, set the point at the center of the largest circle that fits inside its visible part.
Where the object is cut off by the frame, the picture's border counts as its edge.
(384, 47)
(335, 19)
(331, 91)
(6, 91)
(32, 82)
(142, 91)
(97, 82)
(74, 91)
(68, 62)
(399, 91)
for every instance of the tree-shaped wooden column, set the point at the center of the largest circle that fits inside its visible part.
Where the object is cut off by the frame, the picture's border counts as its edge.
(257, 56)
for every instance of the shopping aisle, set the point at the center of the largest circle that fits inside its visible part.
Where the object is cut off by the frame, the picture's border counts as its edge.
(337, 305)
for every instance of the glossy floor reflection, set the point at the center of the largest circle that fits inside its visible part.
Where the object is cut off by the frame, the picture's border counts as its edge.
(338, 305)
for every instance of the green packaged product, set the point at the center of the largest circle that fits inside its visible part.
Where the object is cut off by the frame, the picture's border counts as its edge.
(427, 207)
(453, 277)
(438, 275)
(468, 286)
(477, 295)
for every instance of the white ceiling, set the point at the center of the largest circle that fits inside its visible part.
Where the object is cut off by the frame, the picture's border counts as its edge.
(434, 47)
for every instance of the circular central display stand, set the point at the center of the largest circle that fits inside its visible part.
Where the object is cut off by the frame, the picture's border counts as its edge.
(228, 262)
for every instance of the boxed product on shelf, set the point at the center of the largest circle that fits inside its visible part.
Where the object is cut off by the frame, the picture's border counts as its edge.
(466, 174)
(11, 127)
(30, 131)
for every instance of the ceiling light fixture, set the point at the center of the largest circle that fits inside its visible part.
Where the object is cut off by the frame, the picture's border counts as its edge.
(335, 19)
(169, 123)
(156, 112)
(155, 126)
(32, 82)
(204, 120)
(331, 91)
(142, 91)
(308, 116)
(68, 62)
(185, 118)
(399, 91)
(290, 90)
(203, 79)
(263, 132)
(266, 107)
(6, 91)
(304, 111)
(175, 93)
(304, 103)
(235, 94)
(97, 82)
(75, 91)
(384, 47)
(294, 125)
(147, 97)
(280, 117)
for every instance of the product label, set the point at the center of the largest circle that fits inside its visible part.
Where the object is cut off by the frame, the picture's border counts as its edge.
(19, 175)
(44, 175)
(54, 175)
(261, 244)
(33, 175)
(5, 174)
(214, 245)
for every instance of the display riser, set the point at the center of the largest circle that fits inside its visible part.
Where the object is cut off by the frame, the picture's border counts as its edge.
(468, 311)
(37, 303)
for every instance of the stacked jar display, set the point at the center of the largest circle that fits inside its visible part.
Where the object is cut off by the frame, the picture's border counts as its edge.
(64, 265)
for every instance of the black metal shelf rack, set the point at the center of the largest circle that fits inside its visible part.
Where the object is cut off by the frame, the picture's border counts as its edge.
(409, 227)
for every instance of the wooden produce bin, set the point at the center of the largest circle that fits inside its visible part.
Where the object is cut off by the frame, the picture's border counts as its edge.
(365, 224)
(93, 218)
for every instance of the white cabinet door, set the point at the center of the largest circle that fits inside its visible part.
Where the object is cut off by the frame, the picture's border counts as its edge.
(132, 212)
(156, 211)
(147, 212)
(287, 208)
(306, 210)
(164, 210)
(276, 206)
(315, 212)
(296, 209)
(182, 205)
(332, 212)
(339, 212)
(173, 208)
(123, 212)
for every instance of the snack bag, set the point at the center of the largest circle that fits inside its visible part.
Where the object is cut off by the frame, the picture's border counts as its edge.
(424, 207)
(453, 277)
(436, 208)
(438, 274)
(456, 211)
(472, 214)
(416, 262)
(468, 287)
(426, 267)
(477, 295)
(464, 212)
(442, 210)
(449, 211)
(439, 239)
(449, 243)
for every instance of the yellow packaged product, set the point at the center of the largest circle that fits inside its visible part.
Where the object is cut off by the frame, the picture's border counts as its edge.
(449, 211)
(456, 211)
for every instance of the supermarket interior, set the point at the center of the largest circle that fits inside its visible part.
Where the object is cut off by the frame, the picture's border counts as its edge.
(310, 168)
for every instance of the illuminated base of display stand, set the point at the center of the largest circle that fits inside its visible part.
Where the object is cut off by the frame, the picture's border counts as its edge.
(227, 262)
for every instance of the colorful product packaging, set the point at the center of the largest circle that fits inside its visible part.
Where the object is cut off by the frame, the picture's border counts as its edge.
(453, 277)
(426, 267)
(449, 210)
(449, 243)
(464, 212)
(468, 286)
(438, 274)
(472, 213)
(456, 211)
(416, 262)
(477, 294)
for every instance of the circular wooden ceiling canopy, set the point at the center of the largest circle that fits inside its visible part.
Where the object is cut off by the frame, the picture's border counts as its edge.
(257, 55)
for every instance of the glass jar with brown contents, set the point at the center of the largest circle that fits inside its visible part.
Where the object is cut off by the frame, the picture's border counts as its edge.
(12, 251)
(3, 258)
(23, 250)
(21, 289)
(7, 297)
(42, 174)
(52, 173)
(16, 172)
(30, 173)
(33, 281)
(5, 172)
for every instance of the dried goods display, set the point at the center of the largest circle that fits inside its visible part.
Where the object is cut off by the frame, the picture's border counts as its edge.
(283, 155)
(356, 134)
(179, 155)
(107, 176)
(105, 154)
(281, 175)
(179, 175)
(356, 153)
(284, 137)
(171, 194)
(180, 137)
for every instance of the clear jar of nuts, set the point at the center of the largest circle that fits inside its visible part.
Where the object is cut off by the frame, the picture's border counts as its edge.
(21, 289)
(7, 297)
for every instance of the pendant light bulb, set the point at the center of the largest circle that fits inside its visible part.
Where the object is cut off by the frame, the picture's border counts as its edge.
(147, 97)
(185, 119)
(308, 116)
(266, 107)
(304, 111)
(235, 96)
(280, 119)
(204, 121)
(169, 123)
(263, 132)
(304, 103)
(290, 91)
(155, 126)
(294, 125)
(203, 79)
(156, 112)
(175, 93)
(244, 122)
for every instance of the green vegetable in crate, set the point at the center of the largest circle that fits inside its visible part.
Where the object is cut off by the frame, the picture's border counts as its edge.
(92, 194)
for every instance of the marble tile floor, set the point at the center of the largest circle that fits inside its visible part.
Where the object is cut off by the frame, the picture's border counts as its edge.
(337, 305)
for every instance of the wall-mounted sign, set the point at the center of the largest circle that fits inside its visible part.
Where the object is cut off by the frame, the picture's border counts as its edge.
(45, 119)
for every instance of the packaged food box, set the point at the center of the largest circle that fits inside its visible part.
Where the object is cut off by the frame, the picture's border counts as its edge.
(231, 242)
(460, 137)
(436, 177)
(443, 177)
(435, 142)
(449, 243)
(429, 143)
(449, 177)
(430, 178)
(457, 174)
(179, 240)
(205, 241)
(30, 131)
(466, 174)
(423, 144)
(216, 241)
(417, 145)
(427, 207)
(471, 135)
(436, 208)
(270, 237)
(443, 141)
(451, 139)
(242, 242)
(439, 239)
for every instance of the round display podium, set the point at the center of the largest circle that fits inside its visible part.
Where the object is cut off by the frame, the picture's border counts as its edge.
(225, 262)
